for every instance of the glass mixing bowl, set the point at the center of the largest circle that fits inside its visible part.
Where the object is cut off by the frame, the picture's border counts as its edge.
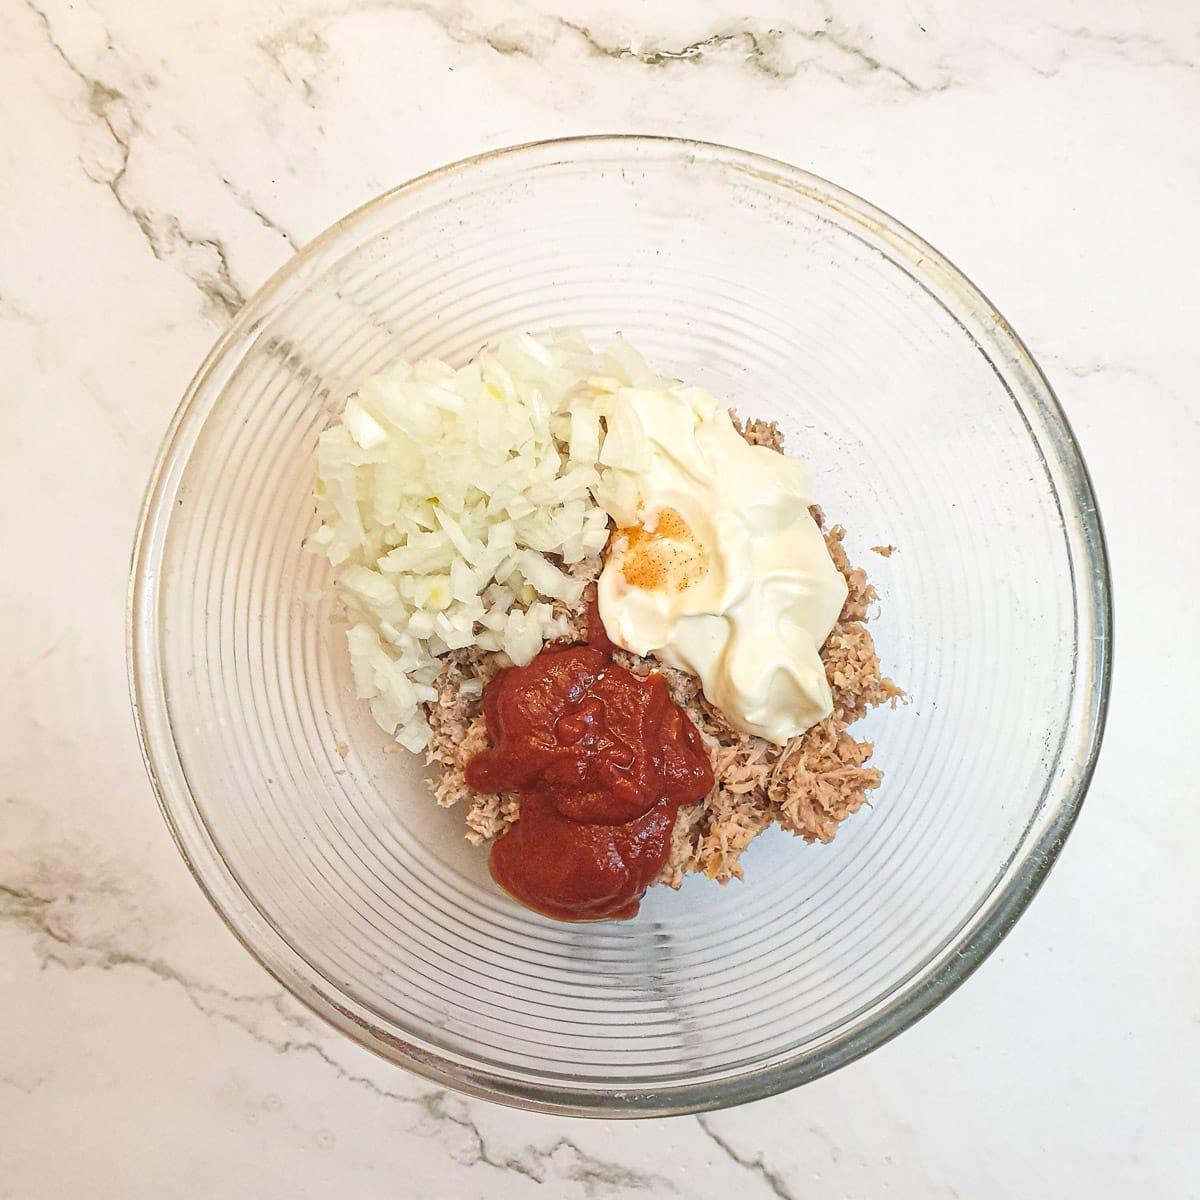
(927, 426)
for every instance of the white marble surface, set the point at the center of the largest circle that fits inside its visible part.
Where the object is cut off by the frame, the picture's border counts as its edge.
(157, 161)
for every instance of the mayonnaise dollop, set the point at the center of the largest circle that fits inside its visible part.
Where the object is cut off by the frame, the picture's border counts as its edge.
(716, 566)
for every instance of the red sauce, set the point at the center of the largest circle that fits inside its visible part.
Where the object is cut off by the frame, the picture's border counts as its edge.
(602, 760)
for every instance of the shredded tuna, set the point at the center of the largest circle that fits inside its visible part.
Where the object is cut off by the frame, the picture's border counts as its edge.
(759, 433)
(807, 786)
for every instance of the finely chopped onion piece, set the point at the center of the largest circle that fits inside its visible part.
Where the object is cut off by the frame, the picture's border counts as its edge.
(452, 503)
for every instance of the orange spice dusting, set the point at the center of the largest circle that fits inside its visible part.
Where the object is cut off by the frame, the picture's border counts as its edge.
(665, 558)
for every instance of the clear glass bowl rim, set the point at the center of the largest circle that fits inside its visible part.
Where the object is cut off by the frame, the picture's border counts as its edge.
(956, 964)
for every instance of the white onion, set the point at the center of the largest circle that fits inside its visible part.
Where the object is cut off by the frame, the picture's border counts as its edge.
(442, 491)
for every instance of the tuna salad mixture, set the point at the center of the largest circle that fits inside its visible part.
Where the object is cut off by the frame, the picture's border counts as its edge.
(610, 611)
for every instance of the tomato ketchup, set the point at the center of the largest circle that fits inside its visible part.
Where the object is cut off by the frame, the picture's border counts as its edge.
(602, 759)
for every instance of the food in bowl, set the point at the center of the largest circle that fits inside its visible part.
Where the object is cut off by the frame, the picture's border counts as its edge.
(609, 611)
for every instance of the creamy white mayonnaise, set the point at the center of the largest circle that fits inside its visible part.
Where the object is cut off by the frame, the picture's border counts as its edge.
(716, 567)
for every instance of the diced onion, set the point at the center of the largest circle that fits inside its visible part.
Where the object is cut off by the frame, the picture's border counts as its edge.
(449, 497)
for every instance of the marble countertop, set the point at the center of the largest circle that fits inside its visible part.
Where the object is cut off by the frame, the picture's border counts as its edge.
(159, 161)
